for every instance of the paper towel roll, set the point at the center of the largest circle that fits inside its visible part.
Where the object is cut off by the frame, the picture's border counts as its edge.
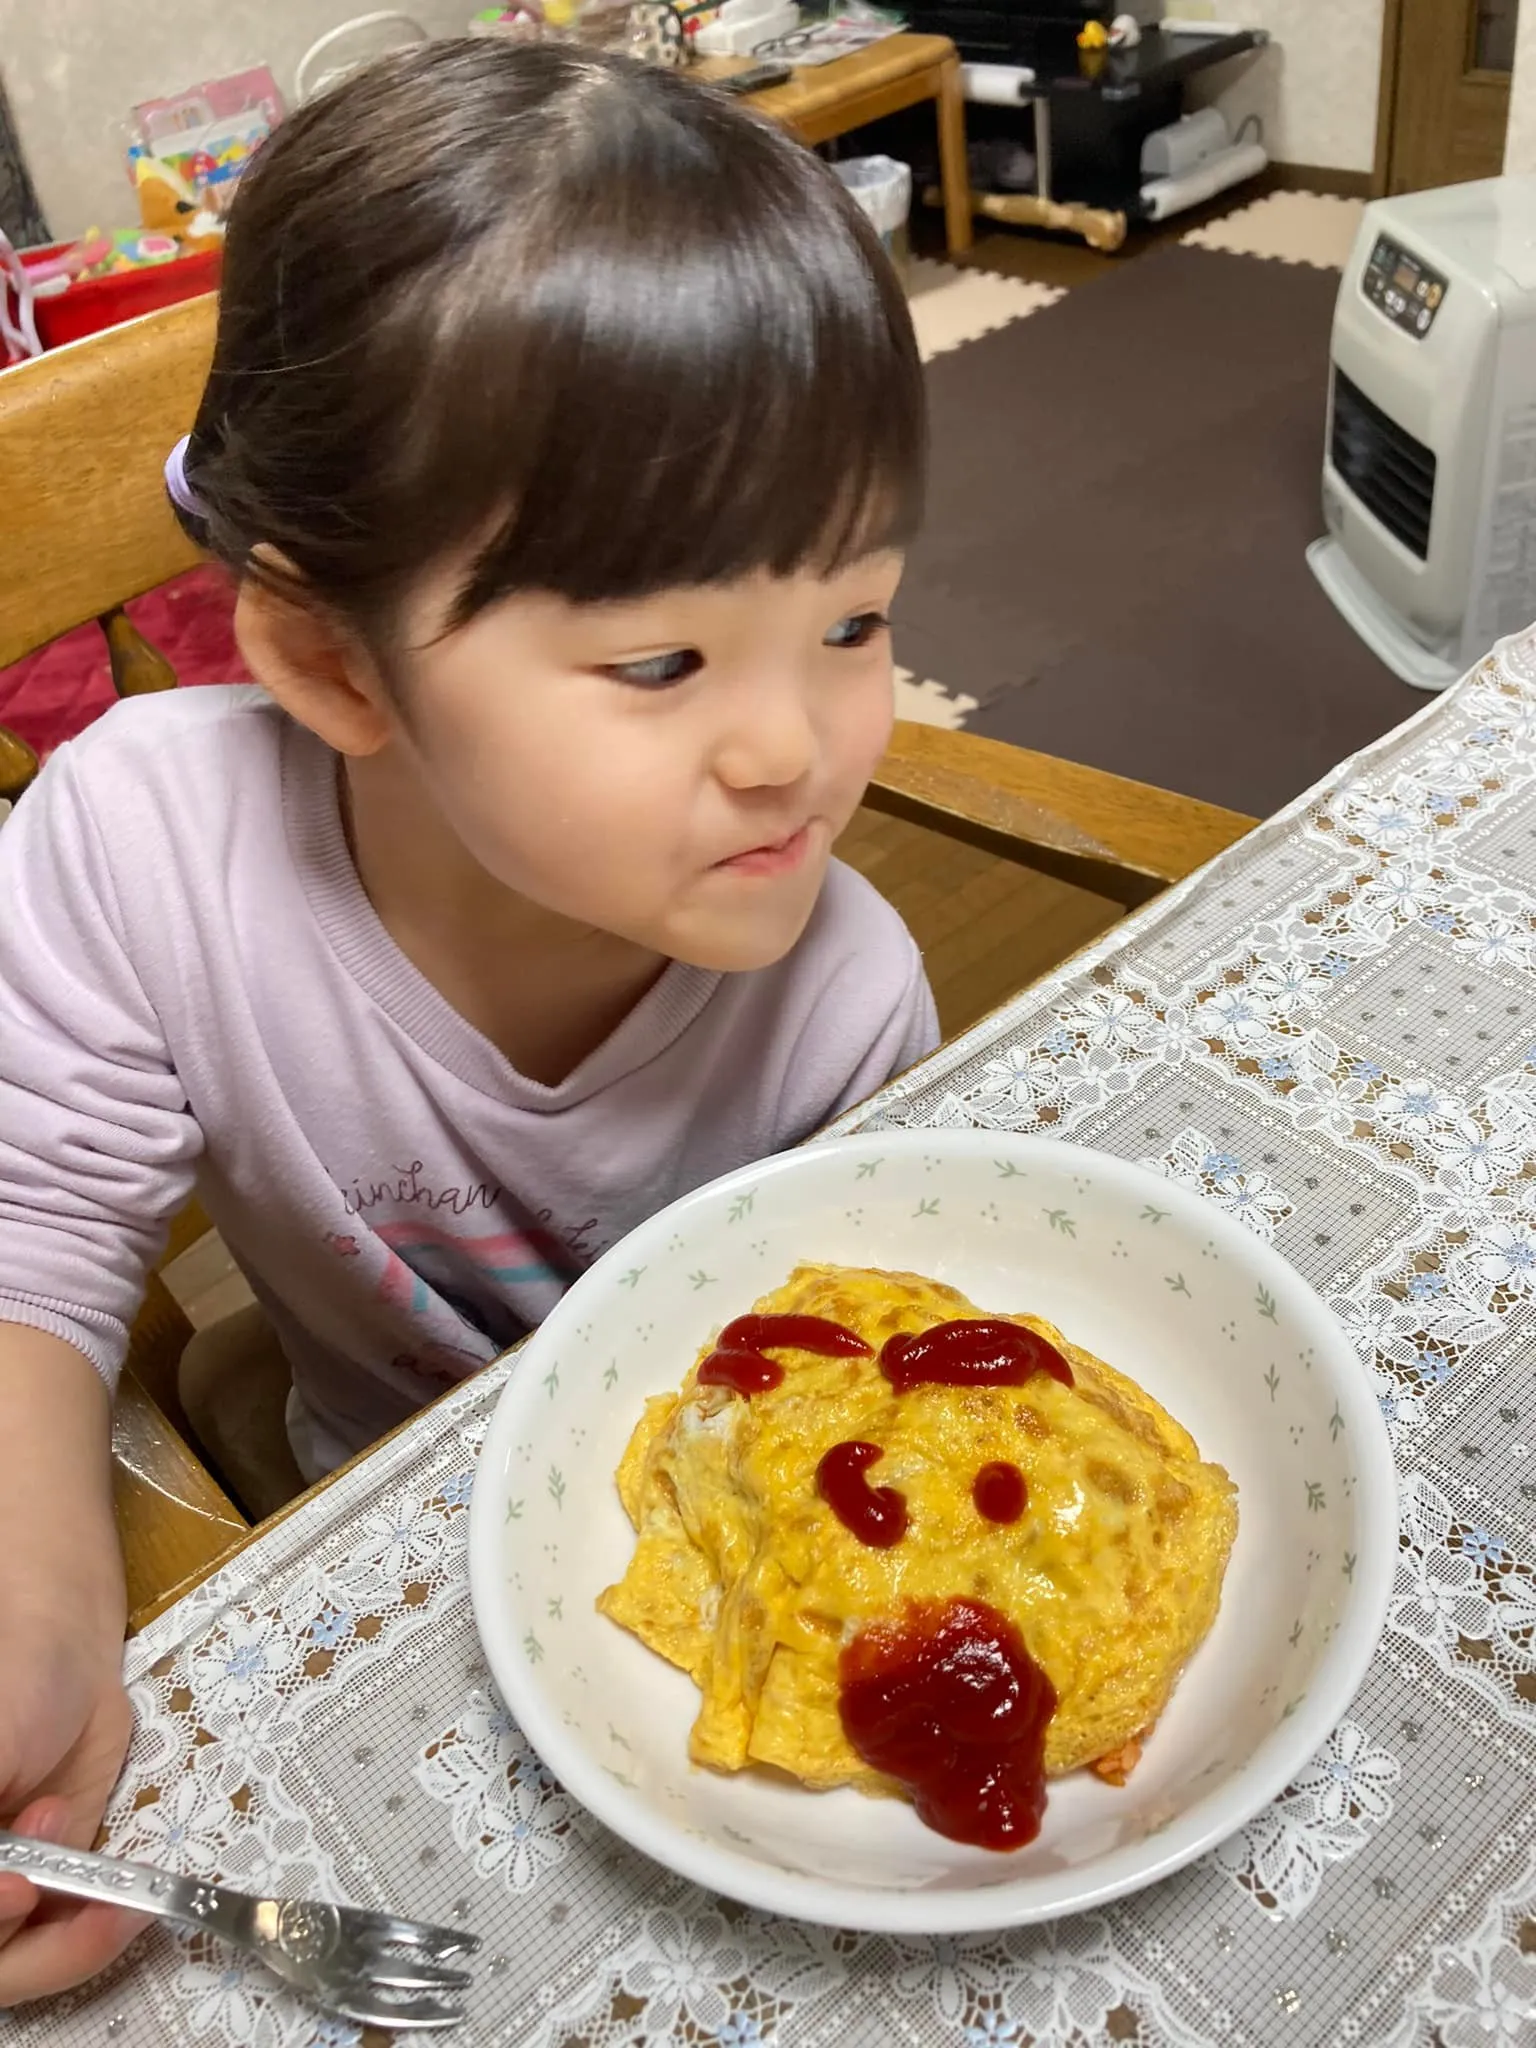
(996, 85)
(1229, 167)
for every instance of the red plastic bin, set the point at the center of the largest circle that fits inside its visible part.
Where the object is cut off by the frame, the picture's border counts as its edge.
(93, 303)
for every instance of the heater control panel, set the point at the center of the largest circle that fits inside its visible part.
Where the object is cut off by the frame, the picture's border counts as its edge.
(1404, 288)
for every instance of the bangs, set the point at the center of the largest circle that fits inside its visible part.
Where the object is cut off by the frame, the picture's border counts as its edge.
(709, 371)
(551, 321)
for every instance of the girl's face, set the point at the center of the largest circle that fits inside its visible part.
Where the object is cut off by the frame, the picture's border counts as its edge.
(674, 769)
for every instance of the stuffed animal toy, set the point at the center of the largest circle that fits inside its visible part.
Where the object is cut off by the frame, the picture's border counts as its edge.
(168, 205)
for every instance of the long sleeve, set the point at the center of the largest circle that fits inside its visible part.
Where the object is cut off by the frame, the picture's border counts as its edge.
(97, 1145)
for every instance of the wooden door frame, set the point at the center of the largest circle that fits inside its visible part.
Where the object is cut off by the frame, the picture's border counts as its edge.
(1386, 92)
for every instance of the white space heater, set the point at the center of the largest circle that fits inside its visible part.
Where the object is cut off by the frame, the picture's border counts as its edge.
(1429, 474)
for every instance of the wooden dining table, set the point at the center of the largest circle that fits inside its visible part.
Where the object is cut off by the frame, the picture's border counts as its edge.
(824, 101)
(1329, 1032)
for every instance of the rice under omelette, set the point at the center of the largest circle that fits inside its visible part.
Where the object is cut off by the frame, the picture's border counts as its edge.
(745, 1577)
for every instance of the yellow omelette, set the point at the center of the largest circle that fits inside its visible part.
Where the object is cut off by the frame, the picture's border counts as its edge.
(746, 1578)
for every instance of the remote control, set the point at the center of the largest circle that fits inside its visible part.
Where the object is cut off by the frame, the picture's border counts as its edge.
(756, 78)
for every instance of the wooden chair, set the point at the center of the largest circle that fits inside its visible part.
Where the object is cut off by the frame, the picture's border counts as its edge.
(84, 433)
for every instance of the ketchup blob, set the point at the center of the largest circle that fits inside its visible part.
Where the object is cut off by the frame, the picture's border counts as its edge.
(877, 1515)
(950, 1702)
(737, 1360)
(979, 1353)
(1000, 1492)
(744, 1372)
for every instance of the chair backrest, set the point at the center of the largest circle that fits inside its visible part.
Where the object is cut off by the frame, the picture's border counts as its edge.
(84, 433)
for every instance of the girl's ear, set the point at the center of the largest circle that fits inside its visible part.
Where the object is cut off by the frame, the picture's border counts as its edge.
(317, 671)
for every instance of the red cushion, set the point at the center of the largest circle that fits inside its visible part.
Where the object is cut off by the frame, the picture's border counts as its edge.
(53, 694)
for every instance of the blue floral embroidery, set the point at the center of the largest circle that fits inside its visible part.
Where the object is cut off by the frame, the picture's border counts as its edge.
(740, 2031)
(336, 2034)
(992, 2030)
(1483, 1548)
(1419, 1102)
(330, 1626)
(1432, 1368)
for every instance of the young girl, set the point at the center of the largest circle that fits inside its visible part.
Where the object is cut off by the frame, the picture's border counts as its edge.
(564, 431)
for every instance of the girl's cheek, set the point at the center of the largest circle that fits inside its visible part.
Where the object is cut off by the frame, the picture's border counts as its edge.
(877, 715)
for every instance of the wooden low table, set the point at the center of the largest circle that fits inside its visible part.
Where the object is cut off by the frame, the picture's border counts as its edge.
(826, 100)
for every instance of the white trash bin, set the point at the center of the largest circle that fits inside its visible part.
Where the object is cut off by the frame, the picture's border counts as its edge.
(883, 189)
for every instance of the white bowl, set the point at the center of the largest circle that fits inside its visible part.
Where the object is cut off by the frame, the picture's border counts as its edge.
(1210, 1320)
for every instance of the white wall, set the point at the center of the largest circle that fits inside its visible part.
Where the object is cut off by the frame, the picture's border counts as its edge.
(1520, 143)
(1315, 87)
(73, 68)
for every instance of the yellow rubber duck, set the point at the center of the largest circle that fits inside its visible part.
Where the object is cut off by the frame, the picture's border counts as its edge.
(1093, 36)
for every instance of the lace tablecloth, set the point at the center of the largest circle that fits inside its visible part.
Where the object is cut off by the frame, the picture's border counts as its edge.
(1331, 1033)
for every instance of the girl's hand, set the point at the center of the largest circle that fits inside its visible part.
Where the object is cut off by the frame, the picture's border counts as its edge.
(64, 1727)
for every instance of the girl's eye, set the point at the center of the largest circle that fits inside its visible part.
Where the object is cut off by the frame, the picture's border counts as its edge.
(857, 630)
(658, 671)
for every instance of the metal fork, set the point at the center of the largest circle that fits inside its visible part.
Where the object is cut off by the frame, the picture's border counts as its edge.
(365, 1966)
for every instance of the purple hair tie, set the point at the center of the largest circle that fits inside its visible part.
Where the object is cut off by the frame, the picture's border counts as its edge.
(181, 491)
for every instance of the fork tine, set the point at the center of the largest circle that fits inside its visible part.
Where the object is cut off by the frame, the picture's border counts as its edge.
(420, 2014)
(387, 1974)
(386, 1931)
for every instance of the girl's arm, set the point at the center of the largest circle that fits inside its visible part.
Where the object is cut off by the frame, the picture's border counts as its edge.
(64, 1718)
(98, 1147)
(97, 1151)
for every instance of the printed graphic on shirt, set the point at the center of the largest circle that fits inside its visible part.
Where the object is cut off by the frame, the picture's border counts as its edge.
(404, 1187)
(474, 1276)
(466, 1293)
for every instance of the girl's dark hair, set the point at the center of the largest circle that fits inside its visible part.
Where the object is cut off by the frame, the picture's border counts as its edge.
(585, 324)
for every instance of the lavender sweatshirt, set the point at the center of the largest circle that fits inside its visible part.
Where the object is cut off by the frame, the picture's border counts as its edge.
(195, 991)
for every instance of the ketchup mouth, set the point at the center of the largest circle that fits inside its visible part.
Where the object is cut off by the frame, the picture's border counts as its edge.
(782, 857)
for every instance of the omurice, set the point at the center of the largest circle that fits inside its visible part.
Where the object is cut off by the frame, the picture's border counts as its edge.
(907, 1546)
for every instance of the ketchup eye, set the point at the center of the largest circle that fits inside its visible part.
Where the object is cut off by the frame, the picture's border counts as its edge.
(1000, 1492)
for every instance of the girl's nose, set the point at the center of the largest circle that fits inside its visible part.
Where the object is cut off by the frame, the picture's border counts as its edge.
(771, 742)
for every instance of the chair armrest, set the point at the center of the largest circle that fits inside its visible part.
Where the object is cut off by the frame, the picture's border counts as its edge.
(1120, 839)
(173, 1519)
